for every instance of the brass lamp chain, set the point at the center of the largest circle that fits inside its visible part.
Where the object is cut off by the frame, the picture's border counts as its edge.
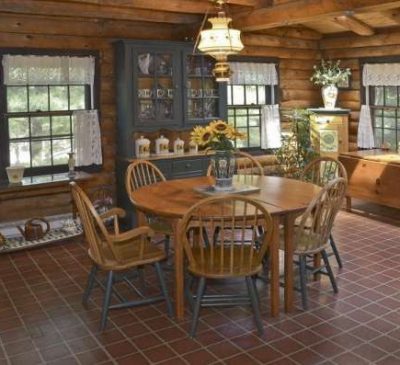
(201, 28)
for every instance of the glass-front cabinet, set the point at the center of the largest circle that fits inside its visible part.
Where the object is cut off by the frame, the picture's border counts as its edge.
(202, 94)
(156, 88)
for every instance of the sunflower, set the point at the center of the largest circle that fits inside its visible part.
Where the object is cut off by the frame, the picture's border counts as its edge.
(197, 133)
(205, 137)
(219, 127)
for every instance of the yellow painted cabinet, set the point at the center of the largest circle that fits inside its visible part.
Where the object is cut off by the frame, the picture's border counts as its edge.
(329, 133)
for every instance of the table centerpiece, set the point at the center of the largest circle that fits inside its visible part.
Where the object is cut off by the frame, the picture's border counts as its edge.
(219, 136)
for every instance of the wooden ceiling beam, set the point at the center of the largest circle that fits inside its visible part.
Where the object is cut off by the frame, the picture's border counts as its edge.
(174, 6)
(393, 14)
(47, 8)
(306, 11)
(356, 26)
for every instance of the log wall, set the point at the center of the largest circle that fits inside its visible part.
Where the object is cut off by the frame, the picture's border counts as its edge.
(296, 51)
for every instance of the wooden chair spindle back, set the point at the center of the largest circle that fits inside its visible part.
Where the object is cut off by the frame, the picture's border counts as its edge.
(234, 250)
(316, 223)
(322, 170)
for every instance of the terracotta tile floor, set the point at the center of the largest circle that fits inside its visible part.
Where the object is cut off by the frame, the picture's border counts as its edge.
(43, 321)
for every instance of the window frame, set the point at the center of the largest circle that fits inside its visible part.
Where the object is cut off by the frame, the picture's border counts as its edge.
(4, 115)
(268, 95)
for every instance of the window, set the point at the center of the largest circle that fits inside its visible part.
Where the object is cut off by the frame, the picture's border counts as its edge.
(385, 110)
(252, 86)
(40, 95)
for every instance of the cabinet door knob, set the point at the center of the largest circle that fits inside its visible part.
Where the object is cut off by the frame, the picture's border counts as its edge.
(378, 181)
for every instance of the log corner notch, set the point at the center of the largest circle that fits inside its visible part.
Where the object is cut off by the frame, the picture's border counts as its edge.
(349, 22)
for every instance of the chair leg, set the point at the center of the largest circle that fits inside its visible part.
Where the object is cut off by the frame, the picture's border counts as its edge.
(90, 284)
(188, 292)
(167, 243)
(251, 288)
(107, 299)
(140, 272)
(329, 271)
(196, 311)
(335, 251)
(303, 280)
(164, 289)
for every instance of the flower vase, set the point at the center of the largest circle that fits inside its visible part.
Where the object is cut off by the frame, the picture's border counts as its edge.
(329, 96)
(223, 168)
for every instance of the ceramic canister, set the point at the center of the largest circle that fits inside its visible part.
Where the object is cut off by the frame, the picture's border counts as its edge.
(142, 147)
(179, 146)
(193, 148)
(162, 145)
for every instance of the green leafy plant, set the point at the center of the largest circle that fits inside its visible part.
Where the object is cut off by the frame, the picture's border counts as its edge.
(296, 150)
(329, 73)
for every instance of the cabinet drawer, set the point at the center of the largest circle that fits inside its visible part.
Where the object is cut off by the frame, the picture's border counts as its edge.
(187, 166)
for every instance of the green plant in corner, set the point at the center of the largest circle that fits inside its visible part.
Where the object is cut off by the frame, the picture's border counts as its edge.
(296, 150)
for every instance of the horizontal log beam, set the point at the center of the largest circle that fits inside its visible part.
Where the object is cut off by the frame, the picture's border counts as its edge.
(41, 7)
(273, 41)
(383, 39)
(307, 10)
(348, 22)
(393, 14)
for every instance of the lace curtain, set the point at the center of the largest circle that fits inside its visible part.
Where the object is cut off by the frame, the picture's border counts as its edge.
(48, 70)
(379, 74)
(87, 138)
(270, 127)
(252, 73)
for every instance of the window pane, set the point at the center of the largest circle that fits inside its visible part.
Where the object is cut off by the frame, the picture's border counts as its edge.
(40, 126)
(60, 125)
(238, 94)
(38, 98)
(254, 121)
(41, 153)
(251, 94)
(391, 95)
(389, 119)
(254, 111)
(242, 143)
(378, 137)
(378, 117)
(20, 154)
(389, 137)
(241, 111)
(61, 147)
(379, 95)
(261, 95)
(18, 127)
(77, 97)
(58, 98)
(241, 121)
(254, 137)
(17, 99)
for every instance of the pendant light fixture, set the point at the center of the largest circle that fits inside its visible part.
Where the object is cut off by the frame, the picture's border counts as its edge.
(220, 41)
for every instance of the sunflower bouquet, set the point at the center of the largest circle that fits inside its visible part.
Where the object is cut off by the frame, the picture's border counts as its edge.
(218, 135)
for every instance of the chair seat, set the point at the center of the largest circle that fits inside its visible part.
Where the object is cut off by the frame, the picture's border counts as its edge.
(211, 265)
(129, 255)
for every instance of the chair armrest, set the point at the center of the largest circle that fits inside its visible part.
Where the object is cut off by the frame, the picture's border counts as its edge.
(119, 212)
(132, 234)
(115, 213)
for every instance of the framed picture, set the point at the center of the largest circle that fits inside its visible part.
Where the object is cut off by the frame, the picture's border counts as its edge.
(345, 84)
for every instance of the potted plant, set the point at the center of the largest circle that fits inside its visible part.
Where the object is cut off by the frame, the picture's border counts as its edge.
(329, 74)
(296, 150)
(219, 136)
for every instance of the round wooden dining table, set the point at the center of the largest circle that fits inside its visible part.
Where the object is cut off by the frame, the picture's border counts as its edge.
(284, 198)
